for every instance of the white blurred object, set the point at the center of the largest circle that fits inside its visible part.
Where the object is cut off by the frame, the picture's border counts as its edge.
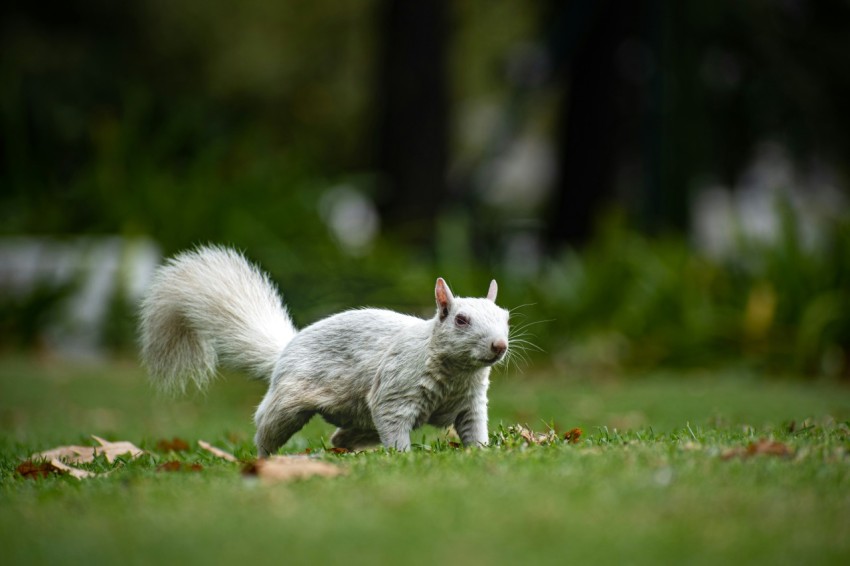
(351, 217)
(522, 177)
(524, 254)
(722, 218)
(95, 269)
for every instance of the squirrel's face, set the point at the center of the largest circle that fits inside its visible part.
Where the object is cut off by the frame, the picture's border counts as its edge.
(471, 332)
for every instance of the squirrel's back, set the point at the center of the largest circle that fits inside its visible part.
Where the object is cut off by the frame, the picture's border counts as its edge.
(348, 348)
(208, 306)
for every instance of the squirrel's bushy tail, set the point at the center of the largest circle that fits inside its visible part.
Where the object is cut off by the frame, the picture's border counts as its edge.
(208, 306)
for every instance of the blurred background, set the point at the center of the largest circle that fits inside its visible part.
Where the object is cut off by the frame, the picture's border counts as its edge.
(653, 183)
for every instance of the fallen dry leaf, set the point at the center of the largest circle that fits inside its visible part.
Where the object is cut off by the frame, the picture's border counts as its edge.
(30, 469)
(73, 454)
(75, 472)
(175, 466)
(532, 437)
(338, 450)
(763, 446)
(770, 447)
(573, 435)
(217, 451)
(52, 459)
(173, 445)
(276, 469)
(83, 454)
(172, 466)
(114, 449)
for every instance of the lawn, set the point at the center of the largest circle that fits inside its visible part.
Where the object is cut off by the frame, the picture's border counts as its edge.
(661, 474)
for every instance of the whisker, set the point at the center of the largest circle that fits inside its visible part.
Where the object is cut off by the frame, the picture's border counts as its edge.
(519, 362)
(525, 345)
(521, 306)
(520, 354)
(525, 325)
(520, 340)
(521, 336)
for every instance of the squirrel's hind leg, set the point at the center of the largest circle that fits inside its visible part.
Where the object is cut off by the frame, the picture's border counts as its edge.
(276, 422)
(274, 430)
(355, 439)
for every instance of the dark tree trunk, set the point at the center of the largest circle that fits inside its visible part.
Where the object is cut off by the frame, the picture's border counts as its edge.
(412, 119)
(608, 128)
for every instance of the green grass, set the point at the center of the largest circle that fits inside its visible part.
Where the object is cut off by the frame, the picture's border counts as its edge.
(647, 484)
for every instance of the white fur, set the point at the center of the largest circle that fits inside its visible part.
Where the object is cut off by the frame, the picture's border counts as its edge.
(374, 373)
(209, 306)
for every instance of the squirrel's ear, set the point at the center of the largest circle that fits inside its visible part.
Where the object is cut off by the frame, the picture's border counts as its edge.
(444, 297)
(491, 292)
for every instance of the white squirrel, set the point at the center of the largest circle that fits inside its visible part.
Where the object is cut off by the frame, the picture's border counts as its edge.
(376, 374)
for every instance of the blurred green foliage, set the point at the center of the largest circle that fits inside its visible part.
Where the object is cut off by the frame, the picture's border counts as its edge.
(630, 300)
(627, 302)
(23, 317)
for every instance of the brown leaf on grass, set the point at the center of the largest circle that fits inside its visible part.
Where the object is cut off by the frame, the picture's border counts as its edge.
(573, 435)
(52, 459)
(532, 437)
(217, 451)
(769, 447)
(276, 469)
(33, 470)
(73, 454)
(338, 450)
(453, 444)
(172, 466)
(83, 454)
(71, 471)
(175, 466)
(763, 446)
(527, 435)
(173, 445)
(114, 449)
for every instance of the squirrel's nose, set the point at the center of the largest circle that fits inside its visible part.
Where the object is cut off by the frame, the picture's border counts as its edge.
(499, 347)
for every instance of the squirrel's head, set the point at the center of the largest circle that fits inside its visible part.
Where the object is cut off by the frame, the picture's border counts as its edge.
(471, 332)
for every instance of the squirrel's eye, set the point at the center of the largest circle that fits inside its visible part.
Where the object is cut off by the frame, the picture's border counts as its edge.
(462, 320)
